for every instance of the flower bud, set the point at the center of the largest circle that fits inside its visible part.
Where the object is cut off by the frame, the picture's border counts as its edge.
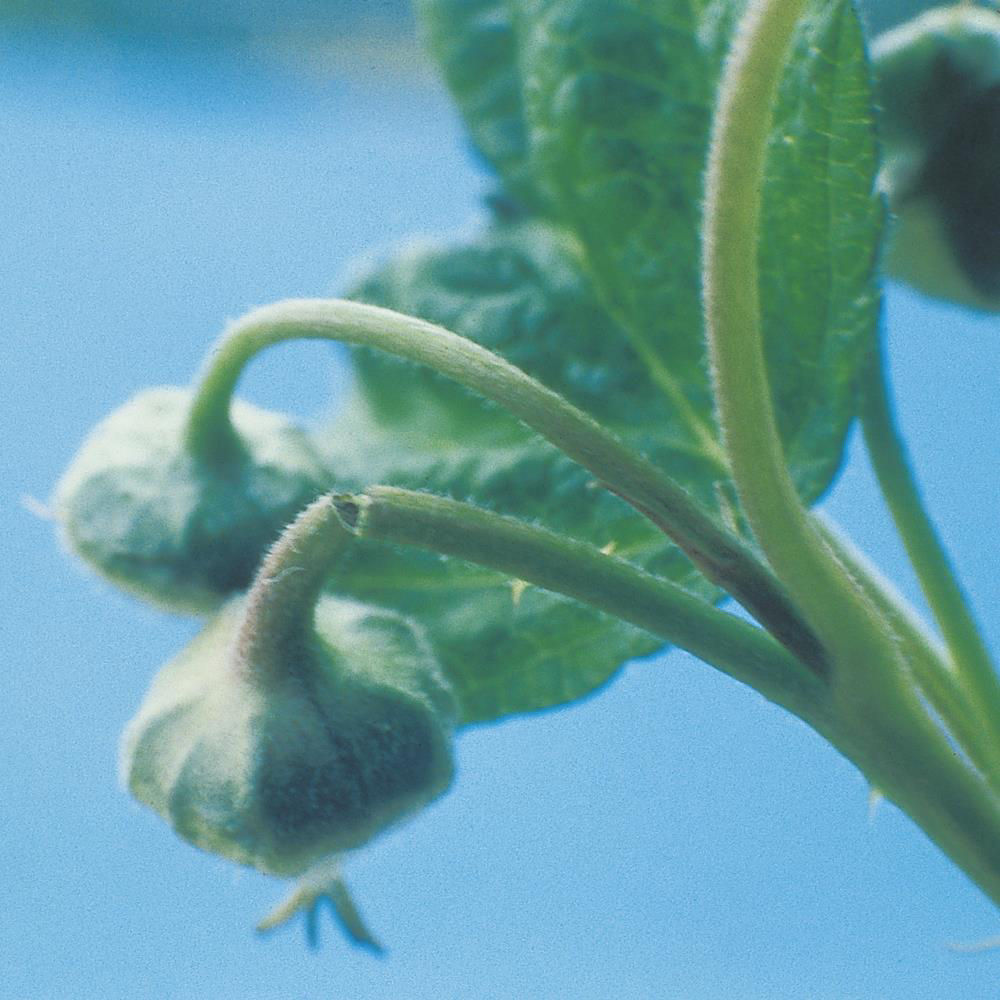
(938, 80)
(276, 749)
(173, 527)
(880, 15)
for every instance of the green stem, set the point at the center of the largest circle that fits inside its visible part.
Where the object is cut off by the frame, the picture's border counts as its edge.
(927, 554)
(910, 760)
(723, 557)
(838, 612)
(281, 603)
(732, 311)
(881, 721)
(587, 574)
(932, 670)
(939, 788)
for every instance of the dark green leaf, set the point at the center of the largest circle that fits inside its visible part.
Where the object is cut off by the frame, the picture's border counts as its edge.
(821, 228)
(618, 98)
(473, 42)
(617, 95)
(518, 290)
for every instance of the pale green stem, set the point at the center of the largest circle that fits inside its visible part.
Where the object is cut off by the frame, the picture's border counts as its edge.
(594, 577)
(881, 721)
(927, 554)
(732, 311)
(722, 556)
(928, 660)
(906, 756)
(950, 800)
(281, 603)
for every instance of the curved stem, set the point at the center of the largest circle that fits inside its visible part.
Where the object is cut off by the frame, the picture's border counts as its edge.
(281, 603)
(927, 554)
(909, 759)
(732, 310)
(587, 574)
(881, 722)
(838, 612)
(721, 556)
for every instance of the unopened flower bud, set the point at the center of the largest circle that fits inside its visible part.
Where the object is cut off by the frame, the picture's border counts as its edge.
(278, 738)
(938, 80)
(178, 528)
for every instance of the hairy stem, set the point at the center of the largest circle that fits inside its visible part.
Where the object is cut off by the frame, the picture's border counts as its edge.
(282, 600)
(928, 661)
(937, 577)
(732, 311)
(881, 721)
(587, 574)
(948, 798)
(722, 556)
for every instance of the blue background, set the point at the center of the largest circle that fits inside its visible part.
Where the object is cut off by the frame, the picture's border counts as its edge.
(674, 836)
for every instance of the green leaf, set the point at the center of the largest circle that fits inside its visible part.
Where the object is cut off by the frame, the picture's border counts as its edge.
(618, 98)
(617, 95)
(520, 291)
(607, 103)
(473, 42)
(821, 230)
